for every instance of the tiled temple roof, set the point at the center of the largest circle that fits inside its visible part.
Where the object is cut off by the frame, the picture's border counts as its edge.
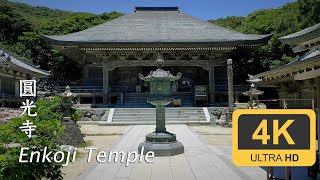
(10, 61)
(152, 26)
(302, 36)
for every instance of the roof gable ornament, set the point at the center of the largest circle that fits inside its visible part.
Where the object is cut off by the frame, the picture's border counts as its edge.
(139, 8)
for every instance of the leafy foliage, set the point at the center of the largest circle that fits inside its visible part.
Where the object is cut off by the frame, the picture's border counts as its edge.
(49, 127)
(76, 114)
(11, 25)
(21, 26)
(310, 12)
(282, 21)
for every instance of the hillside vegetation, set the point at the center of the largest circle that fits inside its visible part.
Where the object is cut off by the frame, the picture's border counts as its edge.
(288, 19)
(21, 26)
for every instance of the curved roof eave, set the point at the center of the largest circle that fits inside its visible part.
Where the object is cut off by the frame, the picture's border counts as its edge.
(301, 36)
(263, 39)
(9, 59)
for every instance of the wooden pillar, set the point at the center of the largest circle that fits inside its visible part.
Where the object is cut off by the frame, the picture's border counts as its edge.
(3, 103)
(230, 85)
(16, 84)
(318, 115)
(94, 99)
(105, 83)
(318, 91)
(85, 75)
(84, 70)
(36, 90)
(211, 83)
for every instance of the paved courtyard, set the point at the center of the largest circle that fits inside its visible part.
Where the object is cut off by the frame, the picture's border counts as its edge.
(200, 161)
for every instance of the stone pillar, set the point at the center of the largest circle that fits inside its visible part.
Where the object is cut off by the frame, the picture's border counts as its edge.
(105, 83)
(236, 97)
(230, 85)
(211, 83)
(78, 99)
(160, 118)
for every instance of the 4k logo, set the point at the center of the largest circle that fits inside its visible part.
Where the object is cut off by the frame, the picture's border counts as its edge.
(264, 137)
(274, 137)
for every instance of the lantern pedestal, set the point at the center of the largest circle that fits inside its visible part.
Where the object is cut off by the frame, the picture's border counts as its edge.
(162, 148)
(161, 142)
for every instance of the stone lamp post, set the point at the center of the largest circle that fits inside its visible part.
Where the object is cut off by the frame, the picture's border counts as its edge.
(253, 93)
(161, 142)
(72, 135)
(67, 96)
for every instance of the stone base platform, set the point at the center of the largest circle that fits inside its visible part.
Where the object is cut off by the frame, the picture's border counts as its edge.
(162, 149)
(162, 144)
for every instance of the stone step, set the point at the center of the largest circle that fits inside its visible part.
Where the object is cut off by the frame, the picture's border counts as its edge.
(172, 120)
(153, 118)
(140, 100)
(151, 114)
(102, 123)
(148, 115)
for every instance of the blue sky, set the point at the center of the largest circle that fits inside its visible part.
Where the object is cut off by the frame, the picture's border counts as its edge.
(203, 9)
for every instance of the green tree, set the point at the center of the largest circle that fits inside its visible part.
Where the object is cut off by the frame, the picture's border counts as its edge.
(309, 12)
(12, 25)
(21, 26)
(279, 22)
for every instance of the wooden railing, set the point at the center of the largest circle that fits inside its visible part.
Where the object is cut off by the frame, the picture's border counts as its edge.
(236, 88)
(82, 89)
(289, 103)
(119, 89)
(9, 96)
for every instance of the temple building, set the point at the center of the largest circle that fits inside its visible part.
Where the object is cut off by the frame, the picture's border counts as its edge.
(299, 80)
(113, 53)
(12, 70)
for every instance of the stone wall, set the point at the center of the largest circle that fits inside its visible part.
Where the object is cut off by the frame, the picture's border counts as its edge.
(96, 114)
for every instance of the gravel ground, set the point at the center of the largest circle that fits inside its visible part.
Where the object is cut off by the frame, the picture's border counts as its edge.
(214, 135)
(7, 114)
(101, 137)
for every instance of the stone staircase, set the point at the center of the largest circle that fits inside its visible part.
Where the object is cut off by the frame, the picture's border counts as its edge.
(139, 100)
(136, 100)
(130, 116)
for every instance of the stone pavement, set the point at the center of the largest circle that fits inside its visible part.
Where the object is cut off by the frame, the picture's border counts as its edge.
(200, 160)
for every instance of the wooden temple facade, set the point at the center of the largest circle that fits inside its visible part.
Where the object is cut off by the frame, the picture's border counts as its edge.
(12, 70)
(299, 81)
(112, 54)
